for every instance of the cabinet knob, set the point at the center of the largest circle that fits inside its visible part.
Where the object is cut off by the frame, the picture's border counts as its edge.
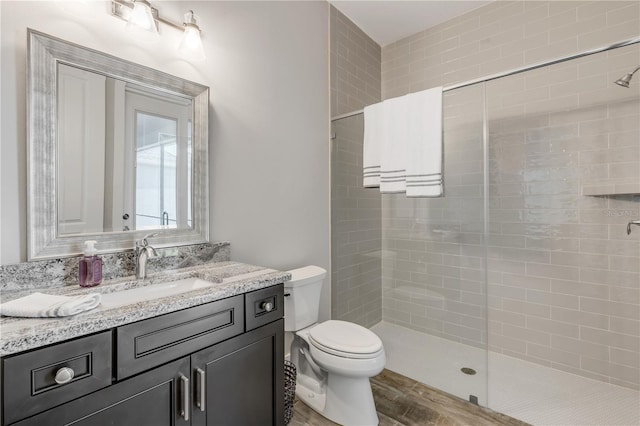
(64, 375)
(267, 306)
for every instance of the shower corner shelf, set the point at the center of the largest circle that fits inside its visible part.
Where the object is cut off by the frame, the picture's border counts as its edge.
(604, 188)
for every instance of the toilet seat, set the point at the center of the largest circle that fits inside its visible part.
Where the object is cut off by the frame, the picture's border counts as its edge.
(345, 339)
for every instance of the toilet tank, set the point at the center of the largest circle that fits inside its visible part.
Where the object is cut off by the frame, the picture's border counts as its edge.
(302, 297)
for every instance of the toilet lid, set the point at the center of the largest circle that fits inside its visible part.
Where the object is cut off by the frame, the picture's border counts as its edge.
(344, 337)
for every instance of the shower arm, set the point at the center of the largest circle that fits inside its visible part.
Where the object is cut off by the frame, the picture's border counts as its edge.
(634, 71)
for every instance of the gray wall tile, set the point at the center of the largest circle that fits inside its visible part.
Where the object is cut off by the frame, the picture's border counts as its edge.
(355, 211)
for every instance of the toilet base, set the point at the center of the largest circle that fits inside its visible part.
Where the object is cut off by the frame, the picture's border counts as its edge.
(315, 400)
(344, 400)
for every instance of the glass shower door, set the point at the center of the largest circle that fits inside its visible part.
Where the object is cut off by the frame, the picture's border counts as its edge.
(434, 282)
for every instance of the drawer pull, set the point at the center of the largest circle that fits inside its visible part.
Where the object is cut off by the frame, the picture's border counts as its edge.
(64, 375)
(184, 390)
(201, 398)
(267, 306)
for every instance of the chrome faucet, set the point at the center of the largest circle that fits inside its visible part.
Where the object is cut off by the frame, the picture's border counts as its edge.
(144, 252)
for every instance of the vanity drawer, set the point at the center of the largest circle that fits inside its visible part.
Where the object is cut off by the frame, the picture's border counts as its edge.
(146, 344)
(264, 306)
(29, 385)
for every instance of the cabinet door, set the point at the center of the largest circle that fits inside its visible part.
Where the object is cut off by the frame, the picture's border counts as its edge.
(155, 398)
(241, 381)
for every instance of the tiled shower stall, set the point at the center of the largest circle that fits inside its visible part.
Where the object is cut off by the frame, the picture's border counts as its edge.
(526, 256)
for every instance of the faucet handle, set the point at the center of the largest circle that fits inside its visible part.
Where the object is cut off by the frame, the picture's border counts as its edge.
(143, 241)
(153, 234)
(151, 252)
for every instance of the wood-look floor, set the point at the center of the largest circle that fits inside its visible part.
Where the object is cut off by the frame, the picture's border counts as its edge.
(403, 401)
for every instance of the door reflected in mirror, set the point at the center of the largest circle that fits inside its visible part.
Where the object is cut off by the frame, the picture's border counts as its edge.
(125, 155)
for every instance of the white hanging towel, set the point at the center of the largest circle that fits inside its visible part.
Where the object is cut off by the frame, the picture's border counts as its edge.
(40, 305)
(424, 144)
(373, 130)
(393, 150)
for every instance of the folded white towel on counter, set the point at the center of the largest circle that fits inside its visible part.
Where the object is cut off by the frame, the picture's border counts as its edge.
(40, 305)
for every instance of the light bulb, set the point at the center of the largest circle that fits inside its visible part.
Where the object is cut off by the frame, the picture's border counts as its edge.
(191, 44)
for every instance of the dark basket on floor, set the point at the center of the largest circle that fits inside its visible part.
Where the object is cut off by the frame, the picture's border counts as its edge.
(289, 390)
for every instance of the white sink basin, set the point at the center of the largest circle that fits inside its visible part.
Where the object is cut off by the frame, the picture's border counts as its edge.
(153, 291)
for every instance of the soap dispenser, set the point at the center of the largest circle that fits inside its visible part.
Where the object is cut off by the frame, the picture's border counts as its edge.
(90, 268)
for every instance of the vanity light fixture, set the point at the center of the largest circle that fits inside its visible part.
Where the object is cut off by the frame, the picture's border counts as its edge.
(191, 44)
(141, 17)
(140, 14)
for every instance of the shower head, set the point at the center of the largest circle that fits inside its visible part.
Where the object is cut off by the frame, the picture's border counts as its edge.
(624, 81)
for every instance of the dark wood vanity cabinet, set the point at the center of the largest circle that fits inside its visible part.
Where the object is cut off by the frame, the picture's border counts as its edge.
(241, 381)
(224, 377)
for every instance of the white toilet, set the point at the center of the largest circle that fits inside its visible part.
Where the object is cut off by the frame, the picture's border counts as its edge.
(334, 359)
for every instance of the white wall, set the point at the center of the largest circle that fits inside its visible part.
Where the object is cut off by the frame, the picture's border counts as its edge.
(267, 67)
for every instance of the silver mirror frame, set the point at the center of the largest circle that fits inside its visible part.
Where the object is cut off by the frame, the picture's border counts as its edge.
(44, 54)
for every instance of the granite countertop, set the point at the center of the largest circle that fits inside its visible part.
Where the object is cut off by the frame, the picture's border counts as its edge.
(230, 278)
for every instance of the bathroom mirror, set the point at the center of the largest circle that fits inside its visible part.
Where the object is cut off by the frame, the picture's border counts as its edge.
(116, 151)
